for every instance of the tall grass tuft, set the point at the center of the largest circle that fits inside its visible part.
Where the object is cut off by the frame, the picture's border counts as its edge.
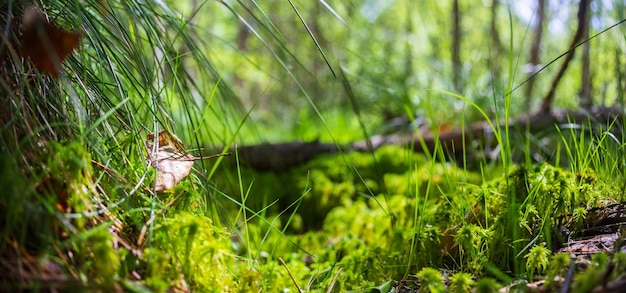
(78, 167)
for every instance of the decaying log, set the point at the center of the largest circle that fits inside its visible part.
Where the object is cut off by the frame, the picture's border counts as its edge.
(282, 156)
(532, 122)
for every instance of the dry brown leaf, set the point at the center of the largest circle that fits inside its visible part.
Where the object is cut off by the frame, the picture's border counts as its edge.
(171, 160)
(45, 44)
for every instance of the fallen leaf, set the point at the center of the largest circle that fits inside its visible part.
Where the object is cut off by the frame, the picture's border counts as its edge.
(170, 159)
(45, 44)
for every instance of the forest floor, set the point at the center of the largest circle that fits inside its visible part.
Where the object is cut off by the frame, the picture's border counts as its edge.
(391, 221)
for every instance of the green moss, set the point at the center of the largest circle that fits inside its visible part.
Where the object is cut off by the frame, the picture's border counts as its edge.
(536, 260)
(559, 265)
(392, 214)
(527, 203)
(334, 181)
(487, 285)
(431, 280)
(35, 197)
(102, 261)
(593, 276)
(461, 282)
(190, 246)
(15, 206)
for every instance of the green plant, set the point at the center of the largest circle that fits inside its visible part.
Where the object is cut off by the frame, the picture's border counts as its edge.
(81, 194)
(473, 242)
(585, 281)
(431, 280)
(536, 260)
(487, 285)
(559, 265)
(461, 282)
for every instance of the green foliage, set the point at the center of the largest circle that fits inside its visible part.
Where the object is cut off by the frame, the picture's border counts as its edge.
(191, 245)
(404, 229)
(473, 242)
(542, 195)
(559, 265)
(461, 282)
(431, 280)
(102, 260)
(14, 203)
(76, 181)
(356, 176)
(385, 287)
(536, 260)
(487, 285)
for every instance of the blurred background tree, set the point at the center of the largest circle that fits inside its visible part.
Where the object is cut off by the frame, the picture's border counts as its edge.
(394, 52)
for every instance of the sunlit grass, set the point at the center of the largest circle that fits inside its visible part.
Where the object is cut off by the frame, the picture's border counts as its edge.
(78, 143)
(340, 222)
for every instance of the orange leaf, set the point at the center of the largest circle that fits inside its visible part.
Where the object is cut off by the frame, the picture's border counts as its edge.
(45, 44)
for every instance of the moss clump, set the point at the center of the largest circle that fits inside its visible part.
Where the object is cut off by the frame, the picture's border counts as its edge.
(384, 220)
(36, 195)
(431, 280)
(190, 246)
(330, 181)
(529, 203)
(461, 282)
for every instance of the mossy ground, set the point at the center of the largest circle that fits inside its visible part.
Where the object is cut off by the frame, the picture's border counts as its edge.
(349, 222)
(389, 215)
(78, 210)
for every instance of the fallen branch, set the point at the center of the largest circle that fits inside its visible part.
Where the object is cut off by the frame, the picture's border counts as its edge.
(533, 122)
(282, 156)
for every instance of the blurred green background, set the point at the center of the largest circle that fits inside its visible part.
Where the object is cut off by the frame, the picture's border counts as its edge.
(394, 53)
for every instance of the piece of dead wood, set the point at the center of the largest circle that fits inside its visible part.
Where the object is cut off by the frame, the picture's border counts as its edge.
(282, 156)
(615, 286)
(285, 155)
(532, 123)
(601, 231)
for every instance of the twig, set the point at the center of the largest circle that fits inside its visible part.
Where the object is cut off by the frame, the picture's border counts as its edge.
(205, 157)
(280, 259)
(568, 279)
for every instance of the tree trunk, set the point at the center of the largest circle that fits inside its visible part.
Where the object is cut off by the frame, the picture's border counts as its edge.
(585, 91)
(496, 52)
(456, 47)
(534, 51)
(583, 10)
(621, 83)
